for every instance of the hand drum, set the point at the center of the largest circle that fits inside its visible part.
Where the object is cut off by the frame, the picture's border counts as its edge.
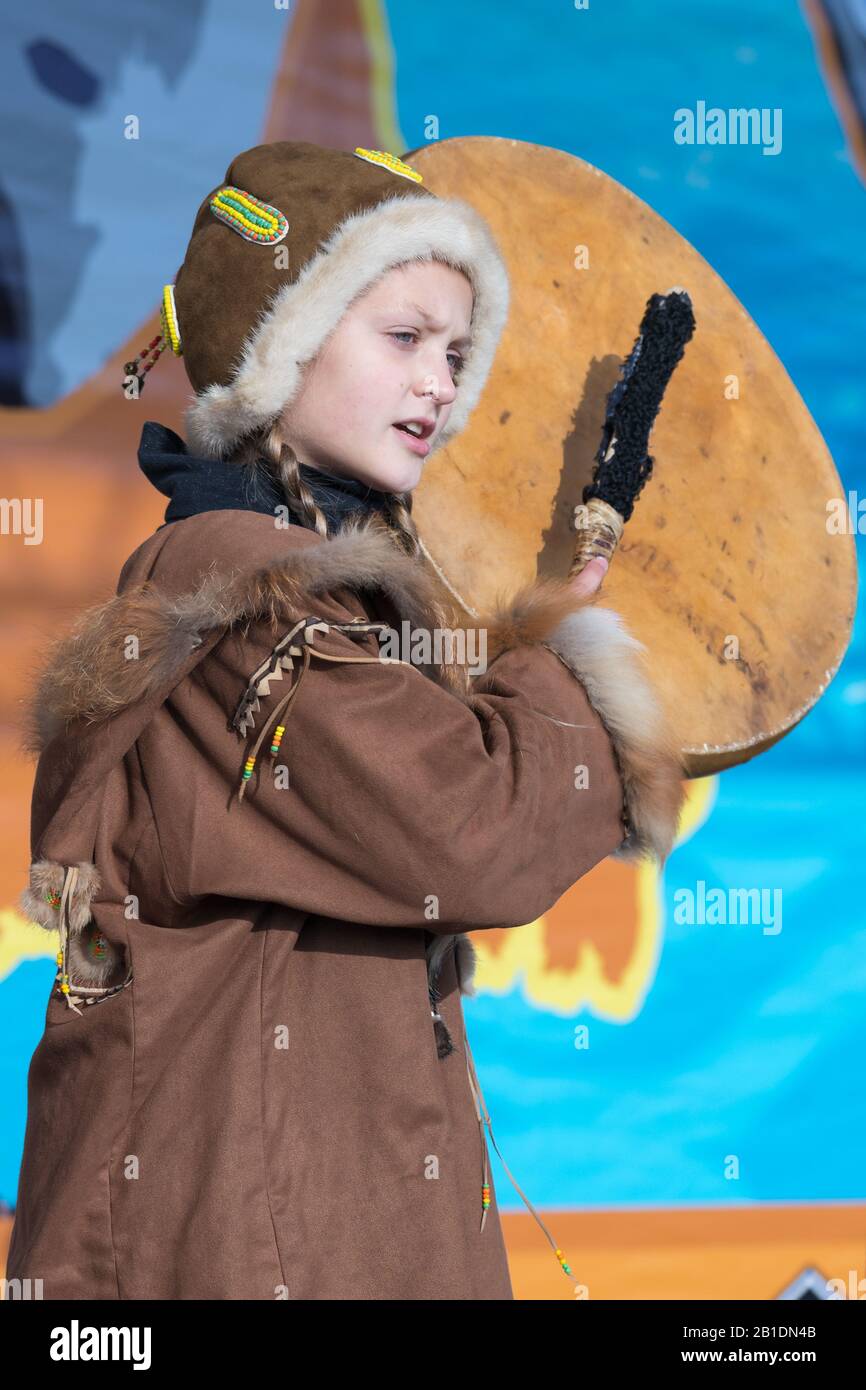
(727, 570)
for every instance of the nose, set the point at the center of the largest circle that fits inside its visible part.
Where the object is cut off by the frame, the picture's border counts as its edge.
(437, 385)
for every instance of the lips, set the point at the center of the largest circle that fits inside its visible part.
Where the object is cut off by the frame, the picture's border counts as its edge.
(414, 442)
(426, 426)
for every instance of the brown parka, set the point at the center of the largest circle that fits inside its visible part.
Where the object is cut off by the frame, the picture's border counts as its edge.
(261, 1107)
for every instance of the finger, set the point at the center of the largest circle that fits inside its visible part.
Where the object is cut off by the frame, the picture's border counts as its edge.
(591, 575)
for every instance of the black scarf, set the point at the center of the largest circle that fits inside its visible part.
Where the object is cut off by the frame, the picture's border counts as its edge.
(204, 485)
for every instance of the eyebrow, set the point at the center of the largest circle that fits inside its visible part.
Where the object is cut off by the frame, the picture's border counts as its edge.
(439, 327)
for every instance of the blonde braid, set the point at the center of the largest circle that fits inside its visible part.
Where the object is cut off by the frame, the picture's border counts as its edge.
(285, 467)
(265, 451)
(404, 532)
(399, 517)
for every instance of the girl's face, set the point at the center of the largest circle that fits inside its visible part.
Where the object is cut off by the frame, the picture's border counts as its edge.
(394, 356)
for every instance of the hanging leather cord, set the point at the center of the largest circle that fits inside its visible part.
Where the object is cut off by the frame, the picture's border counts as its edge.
(484, 1119)
(282, 658)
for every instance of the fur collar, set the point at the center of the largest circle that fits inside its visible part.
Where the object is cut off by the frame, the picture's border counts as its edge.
(87, 677)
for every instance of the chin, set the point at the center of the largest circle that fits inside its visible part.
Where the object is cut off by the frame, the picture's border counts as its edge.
(409, 479)
(400, 475)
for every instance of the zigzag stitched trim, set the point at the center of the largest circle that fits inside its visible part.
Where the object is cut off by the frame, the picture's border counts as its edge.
(281, 658)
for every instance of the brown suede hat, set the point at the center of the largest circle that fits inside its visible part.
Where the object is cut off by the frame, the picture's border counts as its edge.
(278, 252)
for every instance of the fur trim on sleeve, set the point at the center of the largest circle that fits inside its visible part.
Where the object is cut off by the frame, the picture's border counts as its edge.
(607, 659)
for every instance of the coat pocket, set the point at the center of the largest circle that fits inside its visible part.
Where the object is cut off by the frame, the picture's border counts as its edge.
(90, 967)
(96, 970)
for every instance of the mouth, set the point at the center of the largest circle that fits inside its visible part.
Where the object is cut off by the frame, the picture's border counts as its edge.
(417, 436)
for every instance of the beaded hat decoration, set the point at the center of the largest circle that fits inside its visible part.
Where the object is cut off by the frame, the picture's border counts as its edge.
(169, 336)
(249, 216)
(255, 221)
(168, 316)
(389, 161)
(252, 219)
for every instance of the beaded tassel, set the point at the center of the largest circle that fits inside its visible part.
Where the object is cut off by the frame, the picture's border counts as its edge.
(169, 336)
(65, 899)
(131, 368)
(284, 704)
(271, 669)
(484, 1120)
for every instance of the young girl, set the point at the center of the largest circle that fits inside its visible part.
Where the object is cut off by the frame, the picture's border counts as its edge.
(262, 842)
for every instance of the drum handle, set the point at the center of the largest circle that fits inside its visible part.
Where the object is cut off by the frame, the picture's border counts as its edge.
(600, 527)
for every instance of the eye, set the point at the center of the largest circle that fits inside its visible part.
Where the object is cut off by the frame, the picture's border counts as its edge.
(457, 360)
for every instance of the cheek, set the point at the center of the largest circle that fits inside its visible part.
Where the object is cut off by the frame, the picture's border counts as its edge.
(374, 387)
(362, 403)
(342, 395)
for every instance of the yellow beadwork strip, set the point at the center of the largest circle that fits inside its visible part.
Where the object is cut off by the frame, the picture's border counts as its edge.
(168, 314)
(264, 224)
(389, 161)
(260, 209)
(257, 215)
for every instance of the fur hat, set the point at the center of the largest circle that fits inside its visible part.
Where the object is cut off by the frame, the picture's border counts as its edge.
(280, 250)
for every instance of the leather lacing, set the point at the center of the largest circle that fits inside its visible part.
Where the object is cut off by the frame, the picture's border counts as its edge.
(281, 658)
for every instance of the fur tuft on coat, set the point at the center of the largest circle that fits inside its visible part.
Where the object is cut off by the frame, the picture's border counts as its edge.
(46, 880)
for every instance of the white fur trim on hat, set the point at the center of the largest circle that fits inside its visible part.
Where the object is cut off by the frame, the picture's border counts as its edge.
(301, 316)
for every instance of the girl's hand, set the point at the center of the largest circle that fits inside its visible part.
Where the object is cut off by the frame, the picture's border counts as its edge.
(590, 577)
